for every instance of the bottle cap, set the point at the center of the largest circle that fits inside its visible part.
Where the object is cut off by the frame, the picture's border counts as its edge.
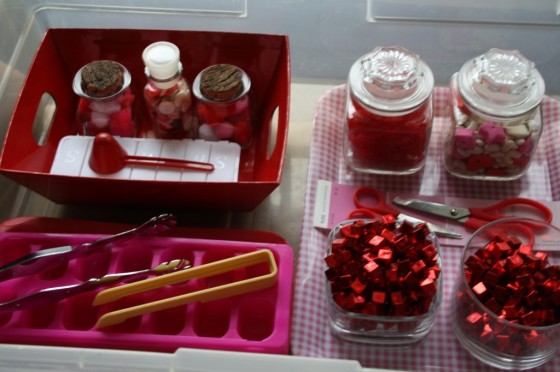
(391, 79)
(161, 60)
(501, 83)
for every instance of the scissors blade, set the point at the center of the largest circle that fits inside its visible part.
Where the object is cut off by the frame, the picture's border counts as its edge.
(436, 209)
(436, 229)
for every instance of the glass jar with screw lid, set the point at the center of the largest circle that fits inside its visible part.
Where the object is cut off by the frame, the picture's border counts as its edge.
(388, 112)
(493, 121)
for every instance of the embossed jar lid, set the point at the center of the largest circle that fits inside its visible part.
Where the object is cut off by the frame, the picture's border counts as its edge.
(391, 79)
(501, 83)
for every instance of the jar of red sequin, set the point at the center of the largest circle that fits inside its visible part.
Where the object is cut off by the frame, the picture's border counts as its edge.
(504, 310)
(106, 100)
(388, 112)
(493, 121)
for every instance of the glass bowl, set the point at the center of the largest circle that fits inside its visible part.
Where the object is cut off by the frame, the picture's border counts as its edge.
(378, 297)
(505, 305)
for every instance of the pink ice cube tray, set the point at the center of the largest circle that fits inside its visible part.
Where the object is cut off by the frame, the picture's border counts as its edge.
(257, 321)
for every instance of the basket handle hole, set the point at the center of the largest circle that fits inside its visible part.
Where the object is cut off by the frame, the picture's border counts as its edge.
(43, 118)
(273, 133)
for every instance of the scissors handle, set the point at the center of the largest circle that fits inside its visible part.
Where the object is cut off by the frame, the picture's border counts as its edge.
(363, 213)
(381, 207)
(481, 216)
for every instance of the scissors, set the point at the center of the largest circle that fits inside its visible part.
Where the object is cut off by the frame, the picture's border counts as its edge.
(370, 203)
(475, 218)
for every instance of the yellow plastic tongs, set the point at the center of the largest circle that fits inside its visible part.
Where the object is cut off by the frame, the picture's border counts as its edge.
(203, 271)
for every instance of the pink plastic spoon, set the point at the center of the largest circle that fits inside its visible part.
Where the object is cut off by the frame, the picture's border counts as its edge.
(108, 156)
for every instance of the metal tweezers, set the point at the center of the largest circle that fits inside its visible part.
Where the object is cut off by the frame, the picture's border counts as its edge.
(47, 258)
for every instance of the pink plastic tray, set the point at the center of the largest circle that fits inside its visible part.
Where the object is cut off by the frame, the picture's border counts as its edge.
(257, 321)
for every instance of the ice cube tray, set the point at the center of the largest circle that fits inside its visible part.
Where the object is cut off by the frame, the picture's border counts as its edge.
(256, 322)
(73, 152)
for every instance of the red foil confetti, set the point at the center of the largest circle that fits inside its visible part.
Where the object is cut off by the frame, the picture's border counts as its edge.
(397, 268)
(515, 284)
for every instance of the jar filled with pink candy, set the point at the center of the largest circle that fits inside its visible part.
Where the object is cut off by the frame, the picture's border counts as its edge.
(167, 94)
(106, 99)
(494, 121)
(223, 104)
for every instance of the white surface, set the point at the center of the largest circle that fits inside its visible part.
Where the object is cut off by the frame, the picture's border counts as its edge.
(73, 153)
(15, 358)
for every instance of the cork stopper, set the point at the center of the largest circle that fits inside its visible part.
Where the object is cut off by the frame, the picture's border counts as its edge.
(221, 82)
(101, 78)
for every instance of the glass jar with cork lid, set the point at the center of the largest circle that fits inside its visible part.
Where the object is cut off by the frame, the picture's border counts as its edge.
(106, 100)
(493, 120)
(223, 104)
(388, 112)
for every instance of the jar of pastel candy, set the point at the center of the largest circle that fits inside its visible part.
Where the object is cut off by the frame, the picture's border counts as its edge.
(223, 104)
(106, 100)
(167, 94)
(493, 121)
(388, 112)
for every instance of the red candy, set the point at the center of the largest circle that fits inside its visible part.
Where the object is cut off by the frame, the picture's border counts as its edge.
(388, 143)
(112, 115)
(371, 260)
(235, 113)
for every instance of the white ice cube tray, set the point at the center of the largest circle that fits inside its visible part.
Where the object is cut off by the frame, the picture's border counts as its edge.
(73, 152)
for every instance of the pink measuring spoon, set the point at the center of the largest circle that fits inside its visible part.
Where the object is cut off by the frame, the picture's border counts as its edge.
(108, 156)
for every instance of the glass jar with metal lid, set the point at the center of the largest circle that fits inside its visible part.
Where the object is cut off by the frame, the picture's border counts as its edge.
(388, 112)
(493, 122)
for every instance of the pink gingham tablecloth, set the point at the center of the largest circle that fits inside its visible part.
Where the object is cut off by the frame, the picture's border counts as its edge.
(440, 351)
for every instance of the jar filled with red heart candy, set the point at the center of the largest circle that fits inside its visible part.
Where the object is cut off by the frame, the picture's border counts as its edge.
(506, 305)
(106, 100)
(493, 122)
(388, 112)
(167, 94)
(223, 104)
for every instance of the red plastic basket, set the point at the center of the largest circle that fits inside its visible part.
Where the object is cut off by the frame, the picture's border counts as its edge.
(62, 52)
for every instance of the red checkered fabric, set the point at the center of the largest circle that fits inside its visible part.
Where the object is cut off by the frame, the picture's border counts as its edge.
(440, 351)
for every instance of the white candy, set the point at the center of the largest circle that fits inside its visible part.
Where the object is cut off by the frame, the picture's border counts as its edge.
(477, 150)
(518, 131)
(205, 132)
(509, 145)
(514, 154)
(166, 107)
(105, 107)
(492, 148)
(99, 119)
